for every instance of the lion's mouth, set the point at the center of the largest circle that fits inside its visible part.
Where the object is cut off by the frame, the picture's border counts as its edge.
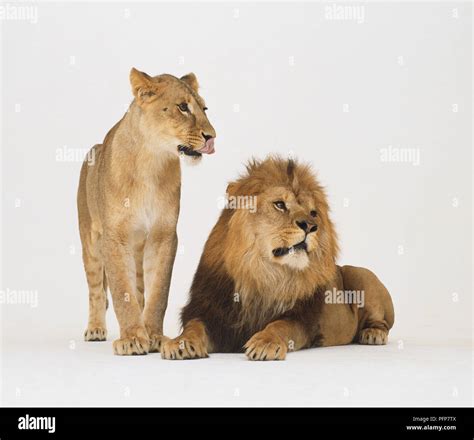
(282, 251)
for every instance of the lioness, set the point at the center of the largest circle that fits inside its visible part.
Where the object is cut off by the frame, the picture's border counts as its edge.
(267, 280)
(128, 203)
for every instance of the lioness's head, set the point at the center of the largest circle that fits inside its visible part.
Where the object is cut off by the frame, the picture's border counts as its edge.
(290, 227)
(172, 113)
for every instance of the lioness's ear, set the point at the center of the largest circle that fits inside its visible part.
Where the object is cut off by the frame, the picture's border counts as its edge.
(142, 86)
(191, 80)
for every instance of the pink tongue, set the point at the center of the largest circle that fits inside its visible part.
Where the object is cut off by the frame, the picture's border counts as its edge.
(208, 148)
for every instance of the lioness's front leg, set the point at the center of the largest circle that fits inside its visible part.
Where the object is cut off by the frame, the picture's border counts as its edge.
(159, 255)
(192, 343)
(120, 268)
(275, 340)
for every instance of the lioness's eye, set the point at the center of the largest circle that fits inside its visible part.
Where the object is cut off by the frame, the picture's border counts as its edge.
(313, 213)
(280, 205)
(183, 107)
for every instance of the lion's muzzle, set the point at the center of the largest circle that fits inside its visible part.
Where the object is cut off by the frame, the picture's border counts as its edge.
(282, 251)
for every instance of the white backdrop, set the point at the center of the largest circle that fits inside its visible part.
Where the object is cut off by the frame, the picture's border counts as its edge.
(376, 96)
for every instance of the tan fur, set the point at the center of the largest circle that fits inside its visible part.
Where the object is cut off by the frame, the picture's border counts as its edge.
(281, 299)
(128, 204)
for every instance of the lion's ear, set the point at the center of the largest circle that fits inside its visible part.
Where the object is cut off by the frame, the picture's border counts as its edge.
(244, 188)
(231, 188)
(191, 80)
(143, 88)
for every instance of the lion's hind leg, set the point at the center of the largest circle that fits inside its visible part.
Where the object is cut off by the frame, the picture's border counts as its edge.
(373, 336)
(376, 316)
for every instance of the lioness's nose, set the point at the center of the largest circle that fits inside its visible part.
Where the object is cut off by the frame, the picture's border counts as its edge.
(307, 226)
(208, 132)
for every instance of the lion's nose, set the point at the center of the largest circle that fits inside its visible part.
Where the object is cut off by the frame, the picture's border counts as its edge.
(307, 226)
(206, 136)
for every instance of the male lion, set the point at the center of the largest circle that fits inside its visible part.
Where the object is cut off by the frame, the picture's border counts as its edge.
(266, 281)
(128, 203)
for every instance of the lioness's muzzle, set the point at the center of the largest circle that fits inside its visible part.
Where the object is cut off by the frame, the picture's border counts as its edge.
(188, 151)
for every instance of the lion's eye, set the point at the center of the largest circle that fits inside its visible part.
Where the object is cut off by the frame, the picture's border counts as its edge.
(280, 205)
(183, 107)
(313, 213)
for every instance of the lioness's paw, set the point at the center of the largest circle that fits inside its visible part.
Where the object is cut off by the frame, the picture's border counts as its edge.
(265, 347)
(156, 342)
(373, 336)
(183, 348)
(135, 342)
(95, 334)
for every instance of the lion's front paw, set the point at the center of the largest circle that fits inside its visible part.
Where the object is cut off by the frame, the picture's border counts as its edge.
(93, 333)
(184, 347)
(134, 342)
(263, 346)
(156, 342)
(373, 336)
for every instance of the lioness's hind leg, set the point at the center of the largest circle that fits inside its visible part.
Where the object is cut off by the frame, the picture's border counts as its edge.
(94, 267)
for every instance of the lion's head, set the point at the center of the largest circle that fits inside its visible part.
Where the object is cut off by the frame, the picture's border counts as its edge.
(172, 111)
(287, 246)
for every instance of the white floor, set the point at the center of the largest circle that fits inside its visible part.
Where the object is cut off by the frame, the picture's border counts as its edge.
(65, 373)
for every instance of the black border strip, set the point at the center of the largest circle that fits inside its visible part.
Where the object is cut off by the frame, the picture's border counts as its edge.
(382, 421)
